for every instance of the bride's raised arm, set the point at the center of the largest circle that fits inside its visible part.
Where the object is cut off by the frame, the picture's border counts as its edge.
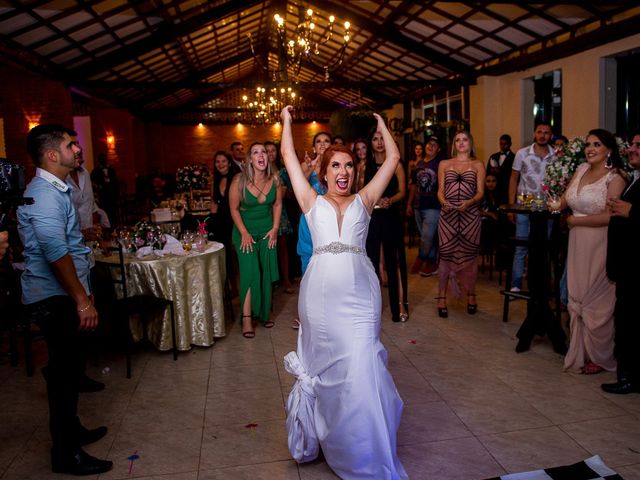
(305, 194)
(372, 191)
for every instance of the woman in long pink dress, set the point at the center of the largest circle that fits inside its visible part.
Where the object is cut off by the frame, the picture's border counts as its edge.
(591, 294)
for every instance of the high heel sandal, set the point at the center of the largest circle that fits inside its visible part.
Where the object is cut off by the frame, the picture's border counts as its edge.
(247, 333)
(443, 312)
(472, 308)
(404, 317)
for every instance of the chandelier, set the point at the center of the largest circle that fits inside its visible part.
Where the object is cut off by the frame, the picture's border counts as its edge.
(265, 105)
(309, 42)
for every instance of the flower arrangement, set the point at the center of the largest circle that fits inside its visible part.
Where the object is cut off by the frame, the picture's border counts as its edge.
(559, 172)
(148, 234)
(192, 177)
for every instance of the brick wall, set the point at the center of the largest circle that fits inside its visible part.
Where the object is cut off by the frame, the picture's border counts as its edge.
(25, 96)
(139, 147)
(170, 147)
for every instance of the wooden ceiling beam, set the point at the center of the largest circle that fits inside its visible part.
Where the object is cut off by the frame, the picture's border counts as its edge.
(198, 85)
(166, 33)
(391, 34)
(578, 44)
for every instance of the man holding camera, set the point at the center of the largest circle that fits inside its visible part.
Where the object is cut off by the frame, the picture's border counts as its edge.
(56, 293)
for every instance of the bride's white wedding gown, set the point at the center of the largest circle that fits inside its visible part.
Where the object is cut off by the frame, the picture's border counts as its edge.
(344, 399)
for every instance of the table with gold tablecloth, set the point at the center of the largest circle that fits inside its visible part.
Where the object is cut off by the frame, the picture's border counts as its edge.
(195, 283)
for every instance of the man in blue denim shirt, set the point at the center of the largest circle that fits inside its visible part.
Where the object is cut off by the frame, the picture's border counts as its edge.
(57, 294)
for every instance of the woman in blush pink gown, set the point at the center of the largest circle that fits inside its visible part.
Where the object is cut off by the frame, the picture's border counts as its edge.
(591, 293)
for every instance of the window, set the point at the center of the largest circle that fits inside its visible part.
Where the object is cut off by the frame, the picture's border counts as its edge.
(627, 94)
(547, 100)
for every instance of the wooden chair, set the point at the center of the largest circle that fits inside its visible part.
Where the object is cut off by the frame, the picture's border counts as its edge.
(137, 304)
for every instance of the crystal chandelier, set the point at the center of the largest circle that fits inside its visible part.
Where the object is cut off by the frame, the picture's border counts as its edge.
(265, 105)
(308, 39)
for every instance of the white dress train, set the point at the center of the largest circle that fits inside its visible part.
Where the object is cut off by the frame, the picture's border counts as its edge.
(344, 399)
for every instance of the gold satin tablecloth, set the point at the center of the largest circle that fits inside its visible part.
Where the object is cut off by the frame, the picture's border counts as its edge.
(195, 283)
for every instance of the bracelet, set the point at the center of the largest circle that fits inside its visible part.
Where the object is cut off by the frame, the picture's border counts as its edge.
(85, 308)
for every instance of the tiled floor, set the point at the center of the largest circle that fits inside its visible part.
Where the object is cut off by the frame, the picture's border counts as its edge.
(473, 407)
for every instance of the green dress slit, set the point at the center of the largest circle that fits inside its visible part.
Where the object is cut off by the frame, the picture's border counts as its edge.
(259, 268)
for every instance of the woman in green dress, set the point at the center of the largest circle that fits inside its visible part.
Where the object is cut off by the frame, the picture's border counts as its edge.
(255, 201)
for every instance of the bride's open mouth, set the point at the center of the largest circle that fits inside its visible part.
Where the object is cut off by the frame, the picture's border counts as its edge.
(342, 183)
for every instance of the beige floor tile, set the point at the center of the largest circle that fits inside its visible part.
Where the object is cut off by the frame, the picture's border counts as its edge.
(616, 440)
(174, 384)
(232, 379)
(242, 444)
(629, 472)
(161, 453)
(316, 470)
(458, 459)
(246, 406)
(572, 403)
(533, 449)
(148, 413)
(262, 471)
(496, 412)
(171, 476)
(429, 422)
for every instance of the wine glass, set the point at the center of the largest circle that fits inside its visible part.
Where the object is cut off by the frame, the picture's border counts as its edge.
(554, 204)
(538, 201)
(187, 240)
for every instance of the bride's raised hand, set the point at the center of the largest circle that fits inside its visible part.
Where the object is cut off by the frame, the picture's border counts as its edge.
(285, 115)
(380, 120)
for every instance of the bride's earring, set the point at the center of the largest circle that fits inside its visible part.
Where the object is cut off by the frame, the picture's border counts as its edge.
(325, 178)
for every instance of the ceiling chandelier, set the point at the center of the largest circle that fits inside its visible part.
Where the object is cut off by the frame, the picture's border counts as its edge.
(310, 42)
(313, 42)
(307, 40)
(265, 105)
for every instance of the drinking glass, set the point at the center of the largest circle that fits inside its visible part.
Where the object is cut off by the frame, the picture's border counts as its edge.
(538, 201)
(553, 202)
(187, 241)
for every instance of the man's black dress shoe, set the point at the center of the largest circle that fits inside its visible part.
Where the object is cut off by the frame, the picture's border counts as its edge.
(89, 385)
(523, 345)
(79, 463)
(621, 388)
(86, 436)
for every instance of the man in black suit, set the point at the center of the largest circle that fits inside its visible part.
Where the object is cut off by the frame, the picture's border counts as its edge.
(623, 267)
(500, 164)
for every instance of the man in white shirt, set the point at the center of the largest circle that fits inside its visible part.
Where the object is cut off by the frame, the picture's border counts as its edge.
(527, 174)
(82, 195)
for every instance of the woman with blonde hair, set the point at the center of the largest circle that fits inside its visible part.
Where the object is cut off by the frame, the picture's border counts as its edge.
(460, 190)
(255, 201)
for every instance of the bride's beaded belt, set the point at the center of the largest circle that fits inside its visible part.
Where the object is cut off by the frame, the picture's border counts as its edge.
(338, 247)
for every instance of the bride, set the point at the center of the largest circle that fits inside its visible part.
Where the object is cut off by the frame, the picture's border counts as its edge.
(344, 399)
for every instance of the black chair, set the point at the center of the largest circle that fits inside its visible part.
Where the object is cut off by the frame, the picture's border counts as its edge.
(137, 304)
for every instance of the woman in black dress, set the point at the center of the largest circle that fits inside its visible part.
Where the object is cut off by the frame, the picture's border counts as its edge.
(387, 229)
